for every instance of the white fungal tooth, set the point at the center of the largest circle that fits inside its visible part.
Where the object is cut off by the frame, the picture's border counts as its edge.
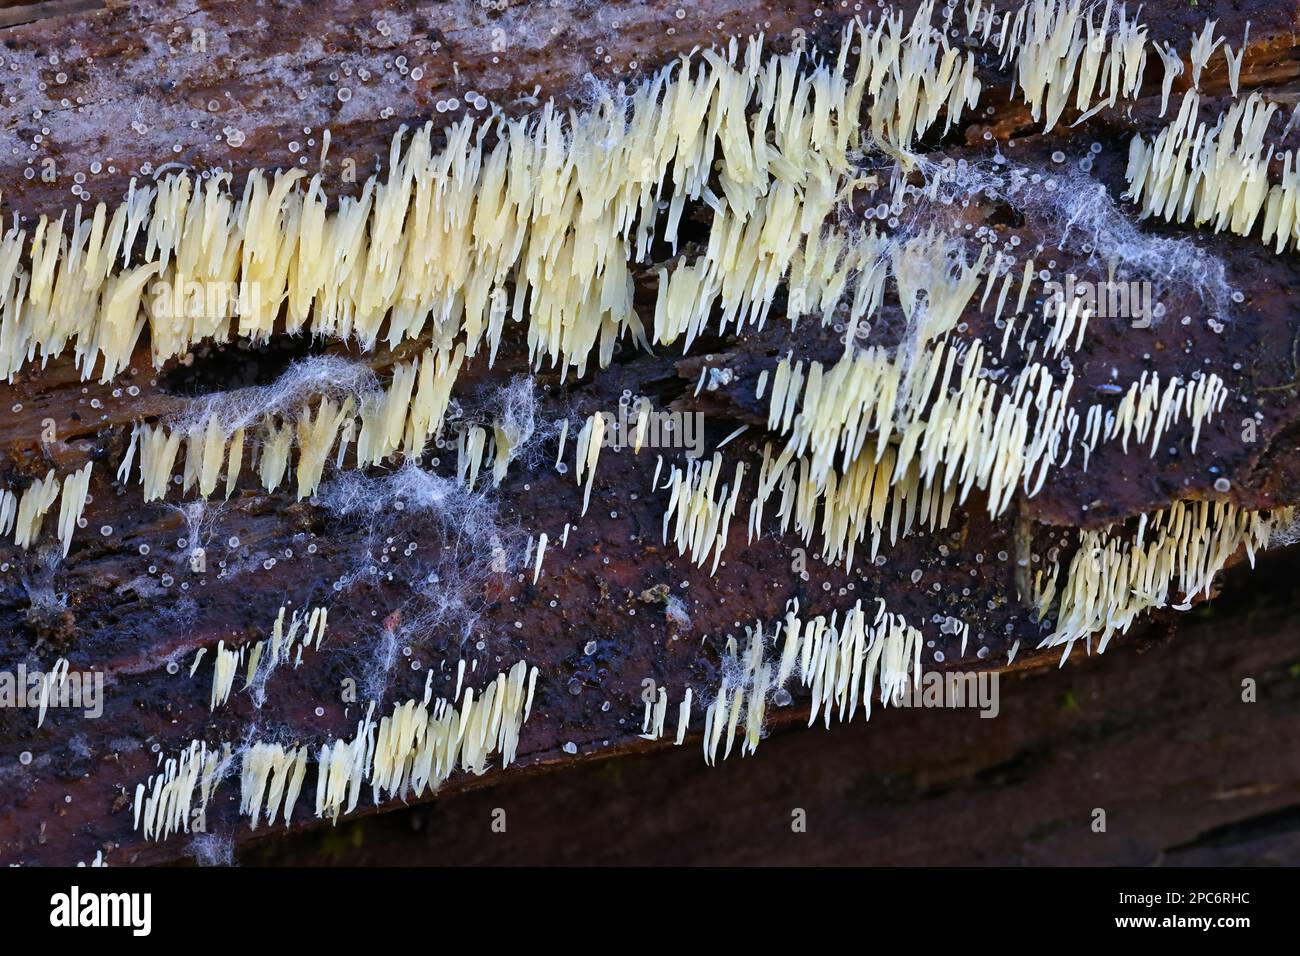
(470, 446)
(541, 551)
(656, 714)
(32, 507)
(683, 717)
(1203, 46)
(564, 433)
(76, 486)
(269, 775)
(587, 453)
(223, 675)
(177, 797)
(417, 748)
(267, 655)
(1173, 65)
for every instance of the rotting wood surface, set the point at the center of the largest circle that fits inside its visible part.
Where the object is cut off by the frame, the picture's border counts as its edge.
(276, 74)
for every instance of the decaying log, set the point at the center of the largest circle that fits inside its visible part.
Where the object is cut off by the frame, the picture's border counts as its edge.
(134, 90)
(1216, 785)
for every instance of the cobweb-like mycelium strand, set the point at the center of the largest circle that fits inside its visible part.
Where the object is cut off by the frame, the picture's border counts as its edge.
(844, 664)
(1175, 553)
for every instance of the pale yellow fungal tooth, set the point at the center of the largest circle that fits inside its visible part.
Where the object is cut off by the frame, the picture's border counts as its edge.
(683, 718)
(842, 664)
(1203, 46)
(587, 453)
(235, 461)
(564, 433)
(223, 675)
(1111, 580)
(460, 236)
(702, 521)
(254, 659)
(76, 486)
(32, 507)
(275, 453)
(212, 457)
(315, 439)
(541, 552)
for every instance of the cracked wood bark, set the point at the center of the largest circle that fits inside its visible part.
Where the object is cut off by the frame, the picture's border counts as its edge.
(1156, 734)
(275, 71)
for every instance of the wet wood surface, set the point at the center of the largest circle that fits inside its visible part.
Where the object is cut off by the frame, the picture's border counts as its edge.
(239, 86)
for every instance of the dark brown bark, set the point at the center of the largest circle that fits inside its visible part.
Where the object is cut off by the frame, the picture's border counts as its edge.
(1157, 735)
(104, 608)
